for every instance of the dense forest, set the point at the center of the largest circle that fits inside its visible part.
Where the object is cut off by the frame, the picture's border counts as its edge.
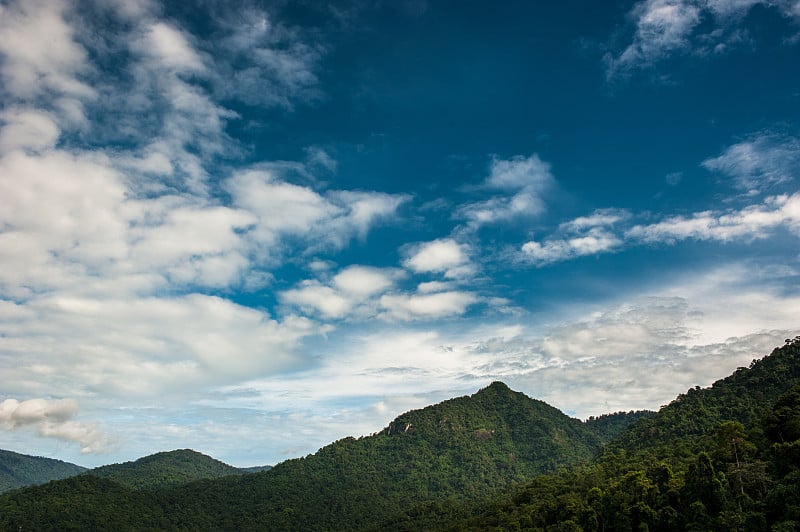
(17, 470)
(170, 468)
(719, 458)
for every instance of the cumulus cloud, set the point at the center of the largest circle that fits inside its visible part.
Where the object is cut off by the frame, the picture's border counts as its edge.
(364, 281)
(365, 292)
(427, 305)
(171, 47)
(523, 180)
(51, 62)
(116, 244)
(445, 256)
(29, 129)
(53, 419)
(286, 209)
(145, 347)
(353, 291)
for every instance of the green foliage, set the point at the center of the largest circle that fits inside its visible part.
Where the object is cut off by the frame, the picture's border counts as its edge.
(723, 458)
(163, 469)
(18, 470)
(714, 473)
(609, 426)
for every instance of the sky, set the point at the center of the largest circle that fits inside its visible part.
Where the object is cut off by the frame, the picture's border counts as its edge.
(253, 228)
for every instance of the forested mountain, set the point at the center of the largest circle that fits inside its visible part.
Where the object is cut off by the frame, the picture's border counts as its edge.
(463, 448)
(17, 470)
(722, 458)
(163, 469)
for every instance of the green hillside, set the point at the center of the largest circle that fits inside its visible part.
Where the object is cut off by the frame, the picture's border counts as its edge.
(463, 448)
(722, 458)
(18, 470)
(163, 469)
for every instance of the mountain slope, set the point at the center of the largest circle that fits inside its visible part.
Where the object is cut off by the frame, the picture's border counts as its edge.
(743, 396)
(163, 469)
(725, 457)
(18, 470)
(462, 448)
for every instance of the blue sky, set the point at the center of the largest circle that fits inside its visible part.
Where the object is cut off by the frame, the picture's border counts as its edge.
(252, 228)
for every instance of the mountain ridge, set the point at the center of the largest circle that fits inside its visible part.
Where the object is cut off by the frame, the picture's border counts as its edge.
(464, 447)
(18, 470)
(498, 458)
(166, 468)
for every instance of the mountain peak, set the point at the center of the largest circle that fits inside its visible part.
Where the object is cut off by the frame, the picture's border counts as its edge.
(496, 386)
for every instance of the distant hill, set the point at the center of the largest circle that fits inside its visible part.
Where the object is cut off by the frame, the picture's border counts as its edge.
(170, 468)
(18, 470)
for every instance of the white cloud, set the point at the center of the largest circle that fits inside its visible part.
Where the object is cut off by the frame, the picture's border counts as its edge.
(312, 296)
(146, 347)
(365, 292)
(351, 292)
(363, 281)
(444, 256)
(27, 129)
(284, 209)
(599, 218)
(171, 47)
(40, 53)
(585, 235)
(752, 222)
(760, 162)
(111, 242)
(523, 179)
(668, 27)
(319, 158)
(595, 241)
(53, 419)
(749, 223)
(662, 27)
(434, 286)
(518, 173)
(427, 305)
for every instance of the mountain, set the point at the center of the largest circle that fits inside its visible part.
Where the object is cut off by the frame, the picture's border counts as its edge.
(463, 448)
(18, 470)
(163, 469)
(725, 457)
(466, 447)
